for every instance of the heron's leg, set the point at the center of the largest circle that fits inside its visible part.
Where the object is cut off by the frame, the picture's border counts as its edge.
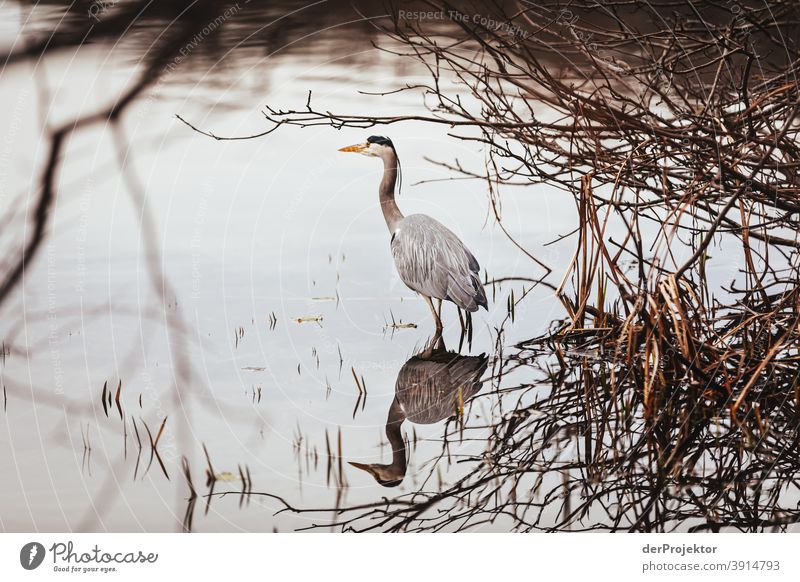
(439, 309)
(436, 341)
(436, 317)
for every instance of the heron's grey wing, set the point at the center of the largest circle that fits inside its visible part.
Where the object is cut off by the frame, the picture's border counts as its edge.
(433, 261)
(415, 251)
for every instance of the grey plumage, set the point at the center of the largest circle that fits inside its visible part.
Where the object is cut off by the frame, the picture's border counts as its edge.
(430, 388)
(431, 260)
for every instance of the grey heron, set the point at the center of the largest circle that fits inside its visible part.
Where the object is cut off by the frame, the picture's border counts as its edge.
(430, 387)
(430, 259)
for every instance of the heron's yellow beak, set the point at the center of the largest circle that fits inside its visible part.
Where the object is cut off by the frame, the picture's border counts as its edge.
(355, 148)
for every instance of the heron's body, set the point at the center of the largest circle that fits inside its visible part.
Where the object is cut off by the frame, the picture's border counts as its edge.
(430, 259)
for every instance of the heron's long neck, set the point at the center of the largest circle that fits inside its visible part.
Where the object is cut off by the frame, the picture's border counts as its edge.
(391, 213)
(395, 436)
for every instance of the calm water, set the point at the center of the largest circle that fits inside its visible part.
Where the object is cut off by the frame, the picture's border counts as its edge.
(282, 227)
(272, 347)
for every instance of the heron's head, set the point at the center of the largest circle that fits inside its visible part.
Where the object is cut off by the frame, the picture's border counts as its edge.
(375, 146)
(386, 475)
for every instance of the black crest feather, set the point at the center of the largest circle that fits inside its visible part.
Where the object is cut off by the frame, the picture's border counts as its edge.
(379, 139)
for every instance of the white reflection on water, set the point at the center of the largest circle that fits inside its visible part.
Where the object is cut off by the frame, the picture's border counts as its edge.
(247, 229)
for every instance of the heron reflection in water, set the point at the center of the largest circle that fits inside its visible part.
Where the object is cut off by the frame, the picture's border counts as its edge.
(430, 259)
(430, 387)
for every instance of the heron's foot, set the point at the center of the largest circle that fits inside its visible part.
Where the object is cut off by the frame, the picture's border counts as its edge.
(435, 344)
(438, 342)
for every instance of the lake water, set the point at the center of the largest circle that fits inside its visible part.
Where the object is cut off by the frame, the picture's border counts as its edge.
(265, 334)
(283, 227)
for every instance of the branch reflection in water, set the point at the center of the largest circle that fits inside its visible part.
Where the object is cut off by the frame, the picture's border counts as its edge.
(570, 448)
